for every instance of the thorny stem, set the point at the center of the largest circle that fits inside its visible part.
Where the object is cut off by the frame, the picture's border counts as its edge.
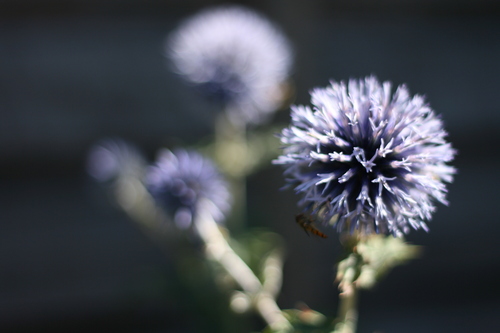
(218, 249)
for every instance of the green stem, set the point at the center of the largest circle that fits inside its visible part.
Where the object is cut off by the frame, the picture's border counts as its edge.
(136, 201)
(347, 274)
(348, 313)
(217, 248)
(231, 154)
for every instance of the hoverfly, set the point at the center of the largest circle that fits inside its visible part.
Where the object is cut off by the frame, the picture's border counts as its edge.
(306, 223)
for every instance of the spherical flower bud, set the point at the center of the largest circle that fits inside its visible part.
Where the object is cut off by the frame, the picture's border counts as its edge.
(180, 180)
(234, 55)
(366, 160)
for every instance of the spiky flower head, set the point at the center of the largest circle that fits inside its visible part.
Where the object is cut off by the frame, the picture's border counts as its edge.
(234, 55)
(368, 160)
(180, 180)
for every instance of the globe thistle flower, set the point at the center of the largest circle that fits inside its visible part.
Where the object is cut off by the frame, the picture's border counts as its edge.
(234, 55)
(110, 158)
(180, 180)
(363, 159)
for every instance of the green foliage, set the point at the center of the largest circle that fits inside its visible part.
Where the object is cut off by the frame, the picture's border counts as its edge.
(255, 246)
(238, 152)
(371, 259)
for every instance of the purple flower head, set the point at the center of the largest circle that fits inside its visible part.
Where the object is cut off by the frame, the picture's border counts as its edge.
(363, 159)
(234, 55)
(113, 157)
(180, 180)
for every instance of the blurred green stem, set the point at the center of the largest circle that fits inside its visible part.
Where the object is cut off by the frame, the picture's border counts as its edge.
(136, 201)
(231, 154)
(347, 273)
(218, 249)
(348, 313)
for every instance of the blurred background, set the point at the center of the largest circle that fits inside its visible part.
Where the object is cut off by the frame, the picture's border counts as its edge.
(73, 72)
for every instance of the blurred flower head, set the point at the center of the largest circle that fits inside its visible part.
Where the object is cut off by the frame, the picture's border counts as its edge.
(368, 160)
(234, 55)
(113, 157)
(181, 180)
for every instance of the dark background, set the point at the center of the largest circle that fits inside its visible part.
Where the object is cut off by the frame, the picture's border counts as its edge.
(73, 72)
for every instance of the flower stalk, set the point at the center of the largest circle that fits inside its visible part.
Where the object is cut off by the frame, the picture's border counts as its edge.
(218, 249)
(135, 200)
(347, 274)
(348, 312)
(231, 154)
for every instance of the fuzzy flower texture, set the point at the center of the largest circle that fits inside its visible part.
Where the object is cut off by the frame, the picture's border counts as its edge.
(365, 160)
(182, 180)
(233, 55)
